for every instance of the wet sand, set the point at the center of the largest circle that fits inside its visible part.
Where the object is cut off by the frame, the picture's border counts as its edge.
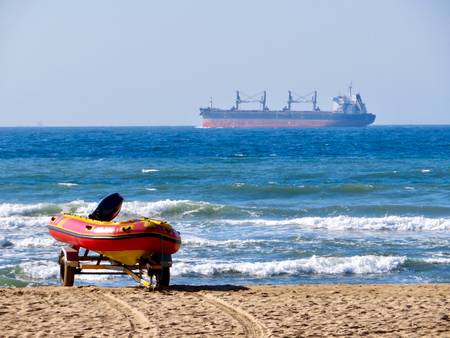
(228, 311)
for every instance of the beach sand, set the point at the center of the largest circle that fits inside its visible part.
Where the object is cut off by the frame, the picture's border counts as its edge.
(227, 311)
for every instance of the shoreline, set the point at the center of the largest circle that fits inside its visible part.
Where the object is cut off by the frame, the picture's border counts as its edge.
(228, 310)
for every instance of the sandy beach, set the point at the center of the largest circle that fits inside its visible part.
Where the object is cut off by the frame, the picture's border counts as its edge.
(227, 311)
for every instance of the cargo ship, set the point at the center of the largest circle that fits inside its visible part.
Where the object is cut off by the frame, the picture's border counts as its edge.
(347, 111)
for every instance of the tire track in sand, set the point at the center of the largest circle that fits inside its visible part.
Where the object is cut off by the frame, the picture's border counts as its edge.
(139, 323)
(252, 327)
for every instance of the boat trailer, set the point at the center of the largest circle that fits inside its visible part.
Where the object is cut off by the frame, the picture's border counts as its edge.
(150, 273)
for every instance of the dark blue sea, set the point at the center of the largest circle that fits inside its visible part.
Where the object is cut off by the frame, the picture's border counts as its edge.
(367, 205)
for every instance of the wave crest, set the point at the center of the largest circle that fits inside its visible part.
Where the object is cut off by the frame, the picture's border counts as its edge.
(233, 243)
(38, 270)
(360, 265)
(342, 223)
(134, 208)
(16, 215)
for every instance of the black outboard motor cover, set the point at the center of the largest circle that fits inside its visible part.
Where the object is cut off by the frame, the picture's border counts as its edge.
(108, 208)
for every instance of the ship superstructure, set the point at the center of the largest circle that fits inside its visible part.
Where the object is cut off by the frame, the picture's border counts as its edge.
(348, 111)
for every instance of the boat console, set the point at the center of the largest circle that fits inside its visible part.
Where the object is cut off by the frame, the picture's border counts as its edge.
(108, 208)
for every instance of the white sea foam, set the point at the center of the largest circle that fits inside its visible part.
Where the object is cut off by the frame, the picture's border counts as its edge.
(78, 207)
(388, 223)
(40, 269)
(44, 270)
(360, 265)
(34, 242)
(37, 209)
(67, 184)
(10, 209)
(437, 260)
(154, 208)
(16, 213)
(201, 242)
(88, 277)
(425, 171)
(150, 189)
(14, 222)
(144, 171)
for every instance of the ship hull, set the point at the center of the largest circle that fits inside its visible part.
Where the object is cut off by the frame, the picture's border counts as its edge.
(282, 119)
(243, 123)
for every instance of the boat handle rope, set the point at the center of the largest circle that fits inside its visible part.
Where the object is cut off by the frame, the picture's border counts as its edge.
(127, 228)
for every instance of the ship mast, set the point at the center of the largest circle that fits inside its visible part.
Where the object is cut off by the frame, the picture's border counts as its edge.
(315, 100)
(290, 100)
(262, 100)
(303, 99)
(238, 99)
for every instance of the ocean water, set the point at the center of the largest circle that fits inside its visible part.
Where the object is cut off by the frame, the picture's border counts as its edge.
(369, 205)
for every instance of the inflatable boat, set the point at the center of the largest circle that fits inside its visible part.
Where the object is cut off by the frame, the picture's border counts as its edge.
(125, 242)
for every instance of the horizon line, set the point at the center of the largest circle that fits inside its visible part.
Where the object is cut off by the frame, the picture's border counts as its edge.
(200, 127)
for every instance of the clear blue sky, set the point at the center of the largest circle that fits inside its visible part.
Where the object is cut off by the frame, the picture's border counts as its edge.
(156, 62)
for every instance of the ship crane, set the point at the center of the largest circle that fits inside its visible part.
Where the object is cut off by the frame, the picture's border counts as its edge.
(252, 99)
(304, 99)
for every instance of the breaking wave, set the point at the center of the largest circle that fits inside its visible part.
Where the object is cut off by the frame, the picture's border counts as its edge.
(170, 207)
(49, 270)
(360, 265)
(388, 223)
(38, 270)
(19, 215)
(188, 208)
(161, 208)
(437, 260)
(10, 209)
(202, 242)
(34, 242)
(14, 222)
(43, 270)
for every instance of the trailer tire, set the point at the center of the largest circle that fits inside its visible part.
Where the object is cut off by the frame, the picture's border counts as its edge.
(164, 277)
(66, 272)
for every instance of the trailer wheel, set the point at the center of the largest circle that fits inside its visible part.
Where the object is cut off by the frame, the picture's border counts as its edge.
(163, 278)
(66, 272)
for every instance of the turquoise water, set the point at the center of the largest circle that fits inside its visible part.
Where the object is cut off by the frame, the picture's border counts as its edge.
(369, 205)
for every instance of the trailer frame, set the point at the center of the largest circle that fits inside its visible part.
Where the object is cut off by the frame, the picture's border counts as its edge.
(148, 273)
